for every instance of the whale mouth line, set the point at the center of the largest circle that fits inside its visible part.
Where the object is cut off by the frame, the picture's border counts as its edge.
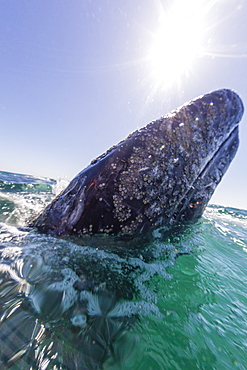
(216, 154)
(197, 194)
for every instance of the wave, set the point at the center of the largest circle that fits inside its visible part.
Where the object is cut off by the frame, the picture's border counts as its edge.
(14, 182)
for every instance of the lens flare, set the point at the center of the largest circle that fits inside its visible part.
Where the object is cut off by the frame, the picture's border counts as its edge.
(177, 42)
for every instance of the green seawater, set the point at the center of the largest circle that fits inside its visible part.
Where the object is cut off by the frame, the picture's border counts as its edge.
(175, 300)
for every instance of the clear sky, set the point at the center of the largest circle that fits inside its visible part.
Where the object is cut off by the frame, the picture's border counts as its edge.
(77, 76)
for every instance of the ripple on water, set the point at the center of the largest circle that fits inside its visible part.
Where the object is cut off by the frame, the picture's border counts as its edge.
(178, 303)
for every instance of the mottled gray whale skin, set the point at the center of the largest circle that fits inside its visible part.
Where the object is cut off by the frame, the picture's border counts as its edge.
(162, 174)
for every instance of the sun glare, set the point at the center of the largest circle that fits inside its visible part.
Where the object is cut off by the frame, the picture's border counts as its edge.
(177, 42)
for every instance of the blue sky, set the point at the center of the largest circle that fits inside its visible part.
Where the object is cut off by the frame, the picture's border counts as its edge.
(77, 77)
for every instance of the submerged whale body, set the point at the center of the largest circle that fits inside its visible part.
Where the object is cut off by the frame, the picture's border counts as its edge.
(162, 174)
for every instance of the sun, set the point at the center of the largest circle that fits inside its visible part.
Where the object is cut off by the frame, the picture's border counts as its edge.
(178, 41)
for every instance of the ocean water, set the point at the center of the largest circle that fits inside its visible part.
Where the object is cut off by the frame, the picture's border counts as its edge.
(171, 300)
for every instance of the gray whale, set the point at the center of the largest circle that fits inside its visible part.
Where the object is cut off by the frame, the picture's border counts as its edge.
(162, 174)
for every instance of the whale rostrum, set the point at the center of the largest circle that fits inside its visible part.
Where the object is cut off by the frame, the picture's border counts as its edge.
(161, 174)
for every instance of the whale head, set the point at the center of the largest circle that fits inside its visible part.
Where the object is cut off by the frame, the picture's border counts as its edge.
(163, 174)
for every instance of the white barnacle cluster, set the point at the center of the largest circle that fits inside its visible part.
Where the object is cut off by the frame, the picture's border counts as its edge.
(114, 166)
(121, 211)
(107, 229)
(130, 179)
(146, 168)
(101, 185)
